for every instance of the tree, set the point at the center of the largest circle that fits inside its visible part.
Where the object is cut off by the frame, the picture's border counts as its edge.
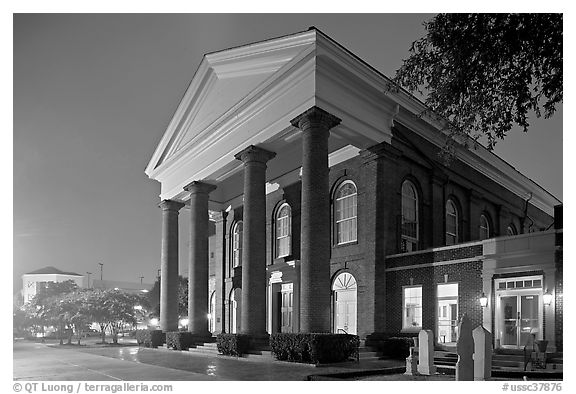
(112, 310)
(45, 309)
(486, 73)
(154, 297)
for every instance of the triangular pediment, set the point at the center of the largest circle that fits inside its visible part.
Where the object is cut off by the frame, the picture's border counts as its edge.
(224, 81)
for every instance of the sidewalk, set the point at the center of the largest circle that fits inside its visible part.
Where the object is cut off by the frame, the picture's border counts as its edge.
(41, 362)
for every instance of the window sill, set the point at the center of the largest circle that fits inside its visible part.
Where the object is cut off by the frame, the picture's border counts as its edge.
(342, 245)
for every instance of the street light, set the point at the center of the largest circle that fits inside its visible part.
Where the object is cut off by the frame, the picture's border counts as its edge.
(101, 270)
(547, 298)
(483, 300)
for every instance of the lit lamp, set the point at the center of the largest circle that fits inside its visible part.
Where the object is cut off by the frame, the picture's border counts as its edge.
(483, 300)
(547, 298)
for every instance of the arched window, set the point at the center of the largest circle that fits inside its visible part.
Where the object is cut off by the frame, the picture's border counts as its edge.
(345, 213)
(283, 230)
(511, 230)
(451, 223)
(409, 217)
(484, 227)
(237, 244)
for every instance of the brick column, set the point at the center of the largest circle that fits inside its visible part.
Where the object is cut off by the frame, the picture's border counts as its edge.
(437, 224)
(198, 259)
(253, 316)
(169, 266)
(475, 210)
(220, 254)
(315, 124)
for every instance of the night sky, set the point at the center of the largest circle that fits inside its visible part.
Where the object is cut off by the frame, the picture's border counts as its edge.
(93, 94)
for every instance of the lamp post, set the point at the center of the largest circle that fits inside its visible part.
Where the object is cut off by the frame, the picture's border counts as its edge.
(141, 278)
(101, 270)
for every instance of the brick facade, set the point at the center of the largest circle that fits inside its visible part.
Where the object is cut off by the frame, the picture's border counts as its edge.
(375, 259)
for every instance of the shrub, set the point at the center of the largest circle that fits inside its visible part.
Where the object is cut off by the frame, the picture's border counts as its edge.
(314, 348)
(150, 338)
(397, 347)
(233, 344)
(179, 340)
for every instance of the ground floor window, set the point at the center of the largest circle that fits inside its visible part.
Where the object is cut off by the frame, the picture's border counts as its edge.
(447, 312)
(412, 307)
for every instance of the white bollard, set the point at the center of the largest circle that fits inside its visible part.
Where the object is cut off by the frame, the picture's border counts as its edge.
(482, 353)
(426, 353)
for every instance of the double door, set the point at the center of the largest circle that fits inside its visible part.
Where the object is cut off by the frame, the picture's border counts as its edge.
(520, 317)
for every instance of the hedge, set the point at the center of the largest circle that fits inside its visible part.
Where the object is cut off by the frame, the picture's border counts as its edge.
(150, 338)
(233, 344)
(315, 347)
(179, 340)
(397, 347)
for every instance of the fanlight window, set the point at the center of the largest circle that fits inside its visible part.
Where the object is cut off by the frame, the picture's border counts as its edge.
(345, 213)
(344, 281)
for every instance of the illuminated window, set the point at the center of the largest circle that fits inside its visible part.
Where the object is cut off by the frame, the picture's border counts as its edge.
(409, 217)
(237, 244)
(412, 307)
(345, 213)
(283, 231)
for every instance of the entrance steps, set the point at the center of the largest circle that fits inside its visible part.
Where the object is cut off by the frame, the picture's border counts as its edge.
(502, 362)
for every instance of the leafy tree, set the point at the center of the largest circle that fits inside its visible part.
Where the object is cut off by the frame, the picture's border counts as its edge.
(153, 297)
(485, 73)
(112, 310)
(45, 308)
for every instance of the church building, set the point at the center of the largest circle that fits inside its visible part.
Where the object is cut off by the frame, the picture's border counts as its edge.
(319, 203)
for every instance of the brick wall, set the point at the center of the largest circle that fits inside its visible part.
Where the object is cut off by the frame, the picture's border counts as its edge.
(454, 253)
(467, 275)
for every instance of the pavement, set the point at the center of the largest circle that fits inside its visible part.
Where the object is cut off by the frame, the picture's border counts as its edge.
(127, 362)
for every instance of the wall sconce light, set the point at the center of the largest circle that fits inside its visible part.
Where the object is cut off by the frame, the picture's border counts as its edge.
(547, 298)
(483, 300)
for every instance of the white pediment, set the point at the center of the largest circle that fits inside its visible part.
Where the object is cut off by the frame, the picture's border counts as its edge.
(223, 81)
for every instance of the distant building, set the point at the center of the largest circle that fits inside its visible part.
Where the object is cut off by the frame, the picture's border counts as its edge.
(33, 281)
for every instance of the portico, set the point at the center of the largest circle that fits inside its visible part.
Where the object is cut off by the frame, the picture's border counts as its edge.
(281, 118)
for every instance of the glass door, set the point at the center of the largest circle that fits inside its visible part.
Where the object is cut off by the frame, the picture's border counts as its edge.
(529, 322)
(519, 318)
(509, 305)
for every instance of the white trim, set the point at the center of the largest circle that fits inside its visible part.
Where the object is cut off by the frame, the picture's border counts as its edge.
(436, 264)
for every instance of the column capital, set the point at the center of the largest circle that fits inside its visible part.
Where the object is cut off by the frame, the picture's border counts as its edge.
(218, 216)
(197, 187)
(170, 205)
(255, 154)
(315, 117)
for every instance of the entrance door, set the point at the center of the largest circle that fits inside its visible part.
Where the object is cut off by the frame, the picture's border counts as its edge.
(345, 299)
(520, 318)
(286, 302)
(234, 310)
